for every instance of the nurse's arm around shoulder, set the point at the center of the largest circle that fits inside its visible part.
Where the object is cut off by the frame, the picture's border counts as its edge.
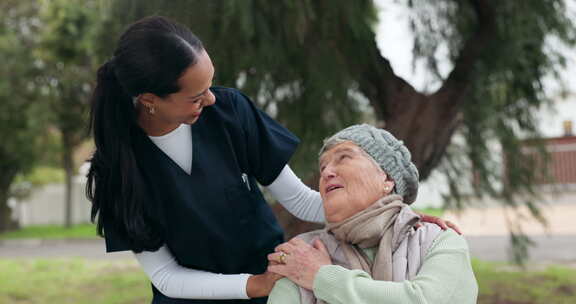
(296, 197)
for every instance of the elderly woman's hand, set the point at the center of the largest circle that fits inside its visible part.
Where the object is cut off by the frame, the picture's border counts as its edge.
(301, 262)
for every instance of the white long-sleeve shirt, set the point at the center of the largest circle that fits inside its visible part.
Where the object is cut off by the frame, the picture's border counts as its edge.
(176, 281)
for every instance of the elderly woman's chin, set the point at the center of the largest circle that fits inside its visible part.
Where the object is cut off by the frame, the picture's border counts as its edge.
(332, 203)
(338, 207)
(344, 202)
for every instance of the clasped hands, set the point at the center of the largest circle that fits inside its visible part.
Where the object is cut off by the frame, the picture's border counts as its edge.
(296, 260)
(299, 261)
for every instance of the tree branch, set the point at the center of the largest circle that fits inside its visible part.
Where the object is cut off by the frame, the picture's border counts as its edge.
(379, 83)
(462, 74)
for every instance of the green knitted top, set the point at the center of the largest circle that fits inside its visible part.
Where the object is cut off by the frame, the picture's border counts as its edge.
(446, 277)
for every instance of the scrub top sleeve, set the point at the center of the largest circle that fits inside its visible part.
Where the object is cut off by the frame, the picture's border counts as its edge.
(269, 145)
(115, 241)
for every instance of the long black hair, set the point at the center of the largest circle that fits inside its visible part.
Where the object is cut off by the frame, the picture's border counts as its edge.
(150, 57)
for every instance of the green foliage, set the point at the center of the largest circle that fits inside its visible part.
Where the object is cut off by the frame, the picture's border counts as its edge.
(67, 30)
(51, 149)
(66, 42)
(21, 118)
(40, 176)
(84, 231)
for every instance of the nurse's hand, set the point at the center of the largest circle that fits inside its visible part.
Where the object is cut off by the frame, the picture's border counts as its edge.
(260, 285)
(438, 221)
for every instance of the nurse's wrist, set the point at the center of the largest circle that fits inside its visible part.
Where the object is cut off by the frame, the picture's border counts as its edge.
(260, 285)
(253, 286)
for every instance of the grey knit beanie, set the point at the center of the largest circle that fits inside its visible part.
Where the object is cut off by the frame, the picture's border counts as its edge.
(390, 153)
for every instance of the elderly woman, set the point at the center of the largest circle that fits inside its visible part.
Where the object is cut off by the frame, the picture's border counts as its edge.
(370, 251)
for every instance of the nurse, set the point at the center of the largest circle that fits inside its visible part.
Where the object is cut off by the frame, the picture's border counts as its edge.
(175, 172)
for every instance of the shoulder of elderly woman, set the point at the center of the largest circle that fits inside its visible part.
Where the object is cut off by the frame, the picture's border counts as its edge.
(457, 241)
(449, 240)
(284, 292)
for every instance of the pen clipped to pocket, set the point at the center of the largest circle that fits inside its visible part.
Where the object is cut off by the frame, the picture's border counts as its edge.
(246, 181)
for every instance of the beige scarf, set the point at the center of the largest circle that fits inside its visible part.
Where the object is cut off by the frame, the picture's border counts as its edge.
(388, 224)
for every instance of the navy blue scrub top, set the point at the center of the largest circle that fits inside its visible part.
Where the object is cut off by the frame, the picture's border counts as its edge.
(215, 219)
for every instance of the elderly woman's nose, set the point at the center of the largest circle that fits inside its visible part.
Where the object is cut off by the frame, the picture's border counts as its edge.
(328, 173)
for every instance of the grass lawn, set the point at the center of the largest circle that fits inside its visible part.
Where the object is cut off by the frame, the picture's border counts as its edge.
(431, 211)
(72, 281)
(84, 231)
(555, 285)
(86, 282)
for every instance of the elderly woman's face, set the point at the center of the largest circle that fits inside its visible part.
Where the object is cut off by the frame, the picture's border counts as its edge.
(349, 181)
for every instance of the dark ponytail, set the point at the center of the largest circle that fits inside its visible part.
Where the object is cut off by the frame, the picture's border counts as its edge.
(150, 58)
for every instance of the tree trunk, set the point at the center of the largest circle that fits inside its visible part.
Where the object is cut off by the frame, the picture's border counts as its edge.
(68, 165)
(425, 123)
(5, 212)
(6, 179)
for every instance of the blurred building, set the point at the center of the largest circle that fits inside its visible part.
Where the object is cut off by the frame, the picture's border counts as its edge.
(46, 205)
(558, 181)
(561, 167)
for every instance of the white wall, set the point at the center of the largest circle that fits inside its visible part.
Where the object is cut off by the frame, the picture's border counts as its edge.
(46, 206)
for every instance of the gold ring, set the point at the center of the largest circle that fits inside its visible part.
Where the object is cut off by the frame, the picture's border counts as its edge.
(283, 257)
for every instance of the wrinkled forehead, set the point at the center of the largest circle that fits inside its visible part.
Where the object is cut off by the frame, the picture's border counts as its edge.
(333, 151)
(339, 148)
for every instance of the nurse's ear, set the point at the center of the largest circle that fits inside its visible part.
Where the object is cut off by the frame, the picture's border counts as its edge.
(149, 101)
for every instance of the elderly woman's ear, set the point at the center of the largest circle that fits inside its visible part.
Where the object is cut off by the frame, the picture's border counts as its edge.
(388, 187)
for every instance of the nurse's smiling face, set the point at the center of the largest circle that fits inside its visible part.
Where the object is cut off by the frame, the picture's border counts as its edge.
(184, 106)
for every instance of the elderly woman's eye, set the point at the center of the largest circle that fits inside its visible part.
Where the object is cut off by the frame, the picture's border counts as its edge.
(343, 156)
